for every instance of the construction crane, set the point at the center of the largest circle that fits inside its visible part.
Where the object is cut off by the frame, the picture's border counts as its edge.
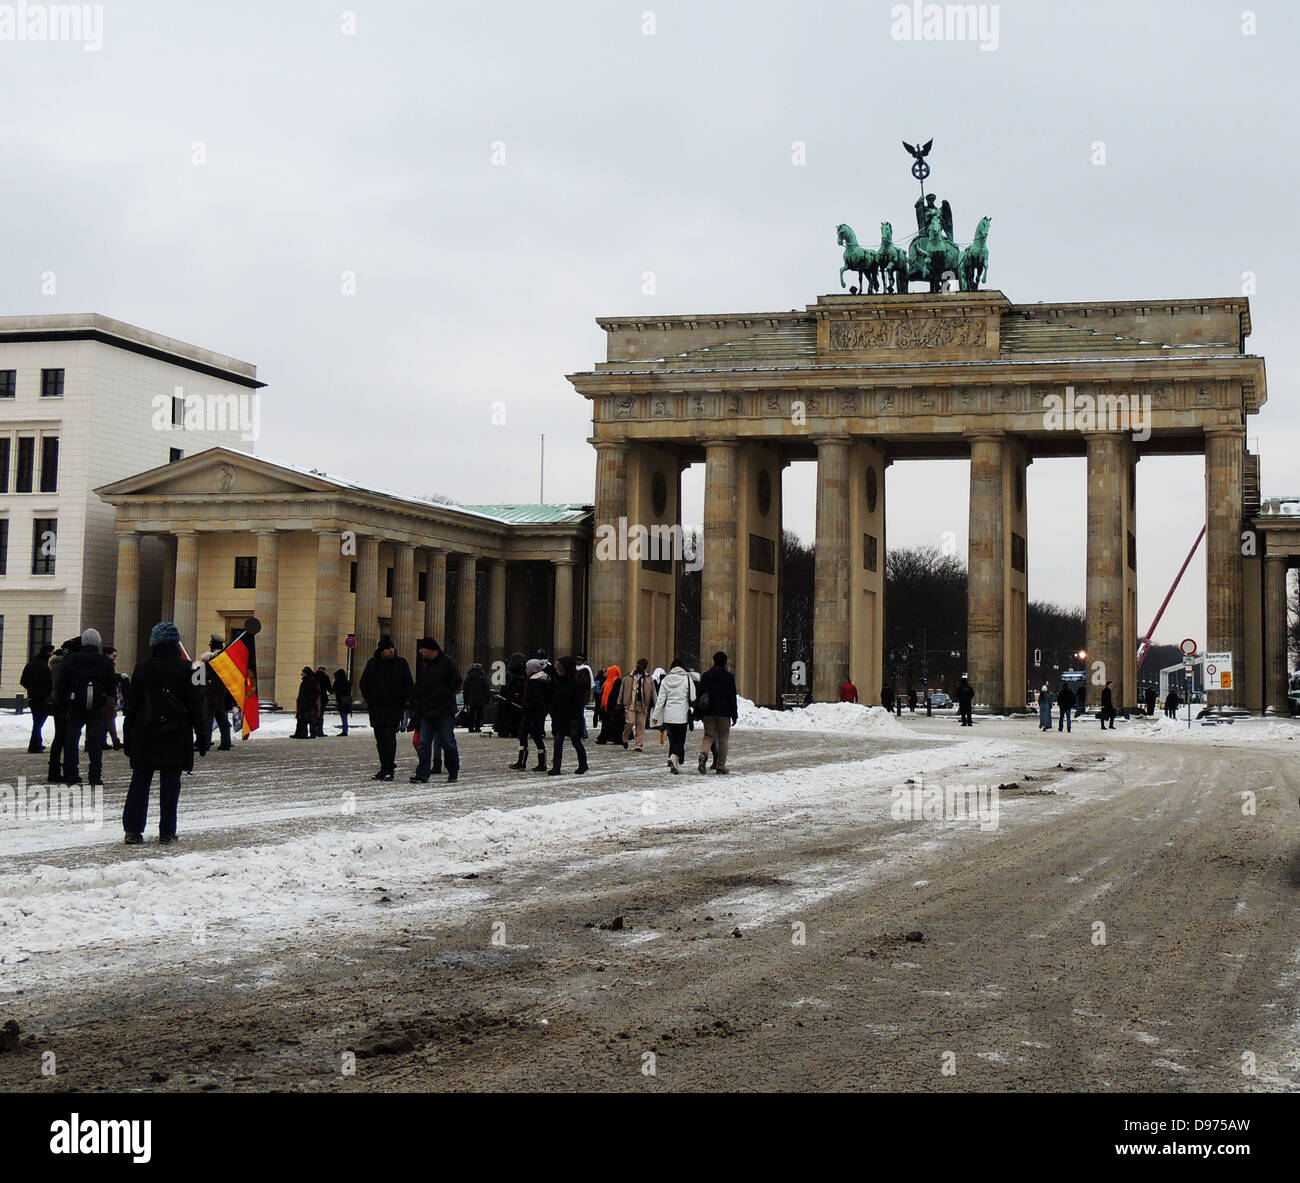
(1146, 640)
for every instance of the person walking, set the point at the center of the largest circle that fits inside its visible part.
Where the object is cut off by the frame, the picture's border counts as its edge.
(59, 707)
(611, 710)
(672, 710)
(116, 701)
(35, 679)
(343, 698)
(476, 697)
(887, 697)
(965, 698)
(848, 692)
(307, 706)
(1065, 701)
(536, 702)
(568, 703)
(1044, 709)
(580, 663)
(1172, 703)
(385, 686)
(1151, 696)
(637, 698)
(1107, 712)
(162, 727)
(216, 698)
(323, 681)
(911, 701)
(434, 702)
(718, 710)
(89, 680)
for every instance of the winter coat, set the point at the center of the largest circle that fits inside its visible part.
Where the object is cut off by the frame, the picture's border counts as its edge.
(162, 687)
(323, 681)
(848, 692)
(1172, 702)
(537, 695)
(676, 698)
(436, 683)
(342, 692)
(386, 686)
(308, 704)
(1065, 700)
(567, 703)
(590, 675)
(1107, 701)
(37, 681)
(719, 683)
(965, 694)
(89, 665)
(632, 684)
(476, 688)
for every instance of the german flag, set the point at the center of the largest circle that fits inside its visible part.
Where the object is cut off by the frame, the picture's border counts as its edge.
(236, 666)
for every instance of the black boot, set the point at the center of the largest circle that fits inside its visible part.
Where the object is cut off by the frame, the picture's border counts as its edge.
(522, 763)
(541, 761)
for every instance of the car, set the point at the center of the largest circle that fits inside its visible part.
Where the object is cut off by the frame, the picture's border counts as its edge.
(939, 700)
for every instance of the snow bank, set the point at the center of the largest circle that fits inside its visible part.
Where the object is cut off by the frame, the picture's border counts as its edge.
(1247, 730)
(849, 718)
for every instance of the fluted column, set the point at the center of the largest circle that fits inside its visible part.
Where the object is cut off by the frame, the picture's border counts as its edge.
(1107, 554)
(266, 607)
(497, 611)
(464, 654)
(366, 622)
(328, 640)
(406, 608)
(719, 574)
(831, 576)
(1275, 645)
(563, 631)
(609, 567)
(1224, 592)
(186, 613)
(435, 595)
(126, 610)
(986, 586)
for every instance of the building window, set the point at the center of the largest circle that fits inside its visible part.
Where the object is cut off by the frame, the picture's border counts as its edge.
(4, 465)
(762, 555)
(26, 464)
(45, 533)
(40, 631)
(388, 583)
(352, 577)
(422, 583)
(51, 384)
(49, 464)
(246, 571)
(8, 383)
(4, 546)
(870, 553)
(174, 454)
(178, 411)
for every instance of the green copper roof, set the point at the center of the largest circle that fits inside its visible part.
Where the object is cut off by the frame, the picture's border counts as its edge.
(533, 515)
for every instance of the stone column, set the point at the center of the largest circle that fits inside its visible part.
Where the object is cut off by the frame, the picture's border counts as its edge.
(496, 611)
(563, 630)
(609, 568)
(1108, 470)
(186, 613)
(126, 611)
(464, 653)
(1224, 593)
(1275, 655)
(406, 607)
(435, 595)
(831, 596)
(718, 573)
(986, 588)
(168, 606)
(328, 640)
(366, 622)
(266, 607)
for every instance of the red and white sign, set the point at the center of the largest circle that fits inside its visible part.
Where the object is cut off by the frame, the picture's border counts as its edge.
(1188, 647)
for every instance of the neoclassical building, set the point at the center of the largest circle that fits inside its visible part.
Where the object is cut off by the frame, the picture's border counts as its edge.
(317, 559)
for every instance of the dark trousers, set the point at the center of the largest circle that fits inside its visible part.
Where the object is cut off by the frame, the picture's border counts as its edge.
(38, 721)
(966, 720)
(677, 740)
(135, 814)
(343, 719)
(577, 747)
(94, 725)
(386, 744)
(475, 718)
(534, 726)
(439, 728)
(1067, 721)
(221, 717)
(55, 774)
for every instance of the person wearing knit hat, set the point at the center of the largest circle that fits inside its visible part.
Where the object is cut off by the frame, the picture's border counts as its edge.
(88, 680)
(385, 685)
(163, 725)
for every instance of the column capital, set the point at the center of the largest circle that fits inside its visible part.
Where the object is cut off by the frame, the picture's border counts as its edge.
(1284, 559)
(722, 442)
(821, 440)
(265, 531)
(609, 445)
(1224, 431)
(985, 435)
(570, 562)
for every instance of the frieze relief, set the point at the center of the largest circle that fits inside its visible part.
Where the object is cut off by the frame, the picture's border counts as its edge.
(939, 333)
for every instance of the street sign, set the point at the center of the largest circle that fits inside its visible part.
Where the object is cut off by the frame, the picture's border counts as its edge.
(1188, 647)
(350, 642)
(1218, 671)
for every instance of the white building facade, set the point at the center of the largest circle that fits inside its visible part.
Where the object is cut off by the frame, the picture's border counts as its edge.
(86, 400)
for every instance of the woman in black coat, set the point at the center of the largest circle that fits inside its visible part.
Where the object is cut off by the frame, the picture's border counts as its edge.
(308, 705)
(567, 705)
(475, 690)
(343, 697)
(162, 727)
(611, 712)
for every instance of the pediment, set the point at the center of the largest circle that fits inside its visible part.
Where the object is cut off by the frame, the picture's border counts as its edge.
(220, 472)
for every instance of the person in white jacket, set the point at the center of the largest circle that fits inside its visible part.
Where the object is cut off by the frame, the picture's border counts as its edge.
(672, 710)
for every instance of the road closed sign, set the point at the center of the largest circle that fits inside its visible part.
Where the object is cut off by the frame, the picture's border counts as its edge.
(1218, 671)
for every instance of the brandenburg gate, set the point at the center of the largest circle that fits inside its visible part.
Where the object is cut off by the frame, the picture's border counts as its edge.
(857, 382)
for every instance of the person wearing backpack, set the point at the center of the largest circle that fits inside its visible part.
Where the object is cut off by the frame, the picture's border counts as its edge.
(89, 680)
(718, 710)
(162, 728)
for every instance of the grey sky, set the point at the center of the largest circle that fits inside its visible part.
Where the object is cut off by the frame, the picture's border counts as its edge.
(477, 283)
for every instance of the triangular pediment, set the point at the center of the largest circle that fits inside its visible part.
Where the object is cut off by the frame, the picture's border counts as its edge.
(219, 472)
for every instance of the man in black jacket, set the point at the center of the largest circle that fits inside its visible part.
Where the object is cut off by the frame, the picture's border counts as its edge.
(386, 687)
(1107, 713)
(717, 707)
(433, 701)
(37, 682)
(163, 725)
(88, 680)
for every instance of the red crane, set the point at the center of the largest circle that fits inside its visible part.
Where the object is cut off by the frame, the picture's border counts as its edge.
(1146, 640)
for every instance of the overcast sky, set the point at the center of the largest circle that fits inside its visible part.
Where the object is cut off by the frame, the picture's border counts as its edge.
(211, 172)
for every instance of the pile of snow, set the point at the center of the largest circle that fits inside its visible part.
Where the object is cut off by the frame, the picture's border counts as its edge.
(841, 717)
(1246, 729)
